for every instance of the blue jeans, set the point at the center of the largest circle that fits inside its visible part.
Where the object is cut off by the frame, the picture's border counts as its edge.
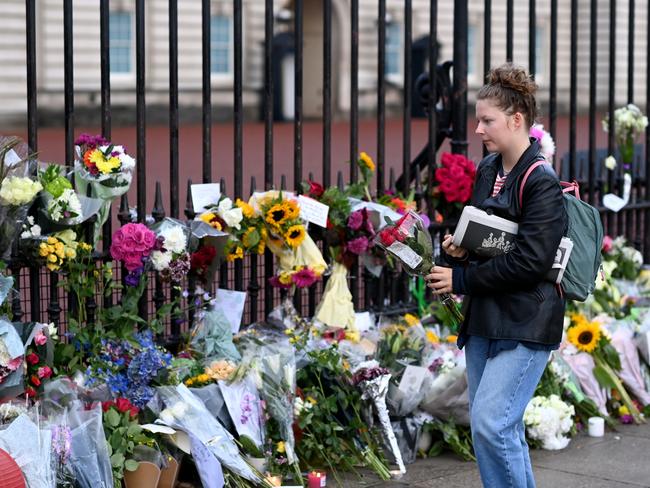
(499, 391)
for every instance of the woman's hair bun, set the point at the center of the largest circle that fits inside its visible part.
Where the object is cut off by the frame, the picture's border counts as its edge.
(514, 77)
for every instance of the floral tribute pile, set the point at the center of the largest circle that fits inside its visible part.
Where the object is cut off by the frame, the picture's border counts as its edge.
(289, 399)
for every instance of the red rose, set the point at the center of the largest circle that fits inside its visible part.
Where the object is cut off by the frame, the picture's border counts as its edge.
(124, 405)
(107, 405)
(35, 381)
(316, 190)
(32, 359)
(30, 392)
(387, 237)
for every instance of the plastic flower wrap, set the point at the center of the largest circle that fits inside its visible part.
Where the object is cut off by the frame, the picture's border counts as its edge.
(185, 411)
(373, 381)
(410, 242)
(106, 168)
(547, 145)
(589, 337)
(133, 244)
(17, 190)
(549, 420)
(12, 352)
(211, 337)
(336, 308)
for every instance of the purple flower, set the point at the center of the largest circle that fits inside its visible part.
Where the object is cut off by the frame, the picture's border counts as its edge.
(275, 282)
(357, 246)
(626, 419)
(304, 278)
(426, 220)
(133, 278)
(355, 220)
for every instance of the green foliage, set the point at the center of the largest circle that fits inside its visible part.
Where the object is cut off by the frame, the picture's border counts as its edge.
(450, 436)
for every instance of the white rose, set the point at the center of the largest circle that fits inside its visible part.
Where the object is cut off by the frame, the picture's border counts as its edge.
(610, 162)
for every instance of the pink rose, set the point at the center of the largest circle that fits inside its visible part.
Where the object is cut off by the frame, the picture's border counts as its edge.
(40, 339)
(133, 262)
(44, 372)
(608, 244)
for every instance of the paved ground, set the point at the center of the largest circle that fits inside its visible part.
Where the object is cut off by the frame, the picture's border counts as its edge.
(618, 460)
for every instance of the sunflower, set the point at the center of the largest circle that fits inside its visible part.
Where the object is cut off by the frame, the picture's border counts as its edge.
(293, 209)
(367, 161)
(295, 235)
(250, 238)
(237, 253)
(246, 209)
(584, 335)
(278, 214)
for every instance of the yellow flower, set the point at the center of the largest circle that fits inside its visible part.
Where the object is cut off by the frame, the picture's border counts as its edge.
(52, 240)
(211, 219)
(311, 400)
(295, 235)
(278, 214)
(623, 410)
(585, 335)
(42, 250)
(238, 253)
(353, 335)
(280, 447)
(52, 258)
(285, 277)
(452, 339)
(103, 164)
(293, 211)
(52, 267)
(203, 378)
(246, 209)
(246, 238)
(367, 161)
(411, 319)
(432, 337)
(189, 382)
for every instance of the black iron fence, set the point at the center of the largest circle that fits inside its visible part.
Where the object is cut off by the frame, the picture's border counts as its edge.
(445, 99)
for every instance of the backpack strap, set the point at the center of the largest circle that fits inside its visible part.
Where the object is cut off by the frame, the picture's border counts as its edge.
(532, 168)
(567, 187)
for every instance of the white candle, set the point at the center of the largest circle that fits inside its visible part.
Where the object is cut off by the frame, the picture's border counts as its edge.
(596, 426)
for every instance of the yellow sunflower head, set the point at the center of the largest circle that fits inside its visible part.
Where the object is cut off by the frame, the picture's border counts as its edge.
(367, 161)
(293, 211)
(295, 235)
(236, 253)
(277, 214)
(584, 335)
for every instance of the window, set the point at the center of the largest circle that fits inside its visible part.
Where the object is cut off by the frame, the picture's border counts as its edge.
(472, 47)
(121, 42)
(393, 49)
(221, 45)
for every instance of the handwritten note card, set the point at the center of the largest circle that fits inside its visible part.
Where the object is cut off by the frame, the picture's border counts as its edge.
(406, 254)
(205, 195)
(313, 211)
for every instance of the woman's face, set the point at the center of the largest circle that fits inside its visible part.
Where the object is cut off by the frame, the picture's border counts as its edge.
(496, 128)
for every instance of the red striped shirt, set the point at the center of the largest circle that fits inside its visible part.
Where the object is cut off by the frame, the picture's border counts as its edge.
(498, 184)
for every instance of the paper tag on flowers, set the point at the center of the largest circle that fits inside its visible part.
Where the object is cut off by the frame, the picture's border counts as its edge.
(313, 211)
(204, 195)
(405, 253)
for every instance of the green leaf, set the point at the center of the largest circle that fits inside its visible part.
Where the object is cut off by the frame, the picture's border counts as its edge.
(117, 460)
(603, 377)
(131, 465)
(112, 417)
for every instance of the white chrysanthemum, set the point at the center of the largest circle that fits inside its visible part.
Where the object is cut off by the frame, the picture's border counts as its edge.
(160, 260)
(548, 419)
(17, 190)
(128, 163)
(175, 240)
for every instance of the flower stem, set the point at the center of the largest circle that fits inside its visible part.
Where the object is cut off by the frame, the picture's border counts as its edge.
(636, 415)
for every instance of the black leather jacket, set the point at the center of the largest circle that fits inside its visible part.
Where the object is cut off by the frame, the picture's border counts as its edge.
(507, 296)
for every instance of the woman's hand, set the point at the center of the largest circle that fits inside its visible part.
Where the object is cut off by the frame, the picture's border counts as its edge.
(440, 280)
(453, 250)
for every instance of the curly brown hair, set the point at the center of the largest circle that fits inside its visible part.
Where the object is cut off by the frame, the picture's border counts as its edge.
(512, 89)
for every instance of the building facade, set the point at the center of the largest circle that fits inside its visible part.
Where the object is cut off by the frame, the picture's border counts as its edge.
(86, 42)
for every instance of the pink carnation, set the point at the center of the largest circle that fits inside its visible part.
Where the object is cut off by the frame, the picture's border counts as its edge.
(608, 244)
(357, 246)
(355, 220)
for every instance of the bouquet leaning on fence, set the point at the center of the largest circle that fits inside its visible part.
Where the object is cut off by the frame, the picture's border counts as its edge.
(409, 241)
(106, 168)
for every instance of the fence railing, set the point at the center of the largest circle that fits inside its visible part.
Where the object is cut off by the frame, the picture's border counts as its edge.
(445, 97)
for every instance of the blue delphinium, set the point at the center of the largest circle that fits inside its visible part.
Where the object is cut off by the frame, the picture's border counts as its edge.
(129, 368)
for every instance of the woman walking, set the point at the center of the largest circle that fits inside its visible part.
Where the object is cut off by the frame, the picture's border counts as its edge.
(514, 317)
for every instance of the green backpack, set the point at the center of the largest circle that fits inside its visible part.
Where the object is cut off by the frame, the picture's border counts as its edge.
(585, 230)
